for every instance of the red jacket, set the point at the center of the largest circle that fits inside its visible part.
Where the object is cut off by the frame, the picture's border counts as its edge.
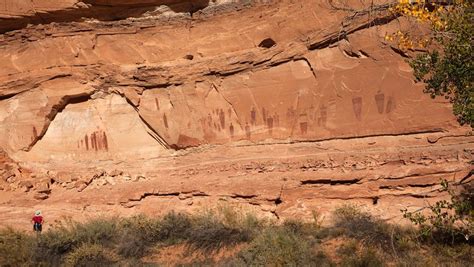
(37, 219)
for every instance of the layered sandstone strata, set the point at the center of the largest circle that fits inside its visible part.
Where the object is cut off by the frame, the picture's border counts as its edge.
(286, 107)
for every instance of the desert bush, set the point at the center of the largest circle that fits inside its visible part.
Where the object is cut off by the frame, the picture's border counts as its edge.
(447, 221)
(352, 222)
(89, 255)
(437, 255)
(354, 255)
(232, 218)
(293, 226)
(366, 258)
(281, 246)
(291, 243)
(136, 235)
(53, 245)
(347, 249)
(227, 215)
(448, 255)
(140, 233)
(15, 248)
(251, 224)
(204, 263)
(134, 262)
(174, 227)
(210, 231)
(131, 245)
(100, 231)
(211, 234)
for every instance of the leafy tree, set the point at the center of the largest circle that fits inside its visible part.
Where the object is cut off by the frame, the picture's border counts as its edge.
(447, 221)
(446, 64)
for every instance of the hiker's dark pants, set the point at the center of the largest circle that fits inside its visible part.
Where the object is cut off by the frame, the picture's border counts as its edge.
(37, 227)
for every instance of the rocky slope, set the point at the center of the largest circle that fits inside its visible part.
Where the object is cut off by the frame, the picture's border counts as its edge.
(284, 107)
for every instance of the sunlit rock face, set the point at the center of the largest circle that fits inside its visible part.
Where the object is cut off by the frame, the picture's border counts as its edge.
(282, 107)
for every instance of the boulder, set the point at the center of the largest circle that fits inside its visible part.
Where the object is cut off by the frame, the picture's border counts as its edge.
(80, 186)
(25, 185)
(41, 196)
(63, 177)
(43, 187)
(115, 173)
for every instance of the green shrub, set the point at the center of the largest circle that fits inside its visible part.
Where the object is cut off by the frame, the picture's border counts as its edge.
(134, 262)
(210, 234)
(293, 226)
(100, 231)
(174, 227)
(232, 218)
(367, 258)
(137, 234)
(362, 226)
(348, 249)
(437, 255)
(447, 221)
(131, 245)
(447, 68)
(251, 223)
(15, 248)
(292, 243)
(351, 257)
(448, 255)
(89, 255)
(278, 246)
(53, 245)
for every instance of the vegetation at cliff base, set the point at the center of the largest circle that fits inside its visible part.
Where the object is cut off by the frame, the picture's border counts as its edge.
(225, 237)
(447, 221)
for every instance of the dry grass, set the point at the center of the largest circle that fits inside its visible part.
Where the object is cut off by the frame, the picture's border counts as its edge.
(356, 239)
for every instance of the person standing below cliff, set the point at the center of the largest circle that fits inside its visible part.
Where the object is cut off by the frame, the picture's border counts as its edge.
(37, 221)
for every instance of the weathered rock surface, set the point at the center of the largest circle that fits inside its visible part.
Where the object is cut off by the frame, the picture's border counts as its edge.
(280, 106)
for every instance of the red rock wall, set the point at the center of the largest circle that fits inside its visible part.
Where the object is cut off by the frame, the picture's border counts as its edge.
(283, 106)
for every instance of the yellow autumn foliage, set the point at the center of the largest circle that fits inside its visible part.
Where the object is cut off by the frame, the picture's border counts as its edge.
(424, 12)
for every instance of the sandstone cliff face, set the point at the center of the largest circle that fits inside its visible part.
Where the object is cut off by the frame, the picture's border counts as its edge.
(282, 106)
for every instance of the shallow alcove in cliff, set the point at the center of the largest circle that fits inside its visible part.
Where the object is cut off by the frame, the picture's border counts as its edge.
(267, 43)
(12, 17)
